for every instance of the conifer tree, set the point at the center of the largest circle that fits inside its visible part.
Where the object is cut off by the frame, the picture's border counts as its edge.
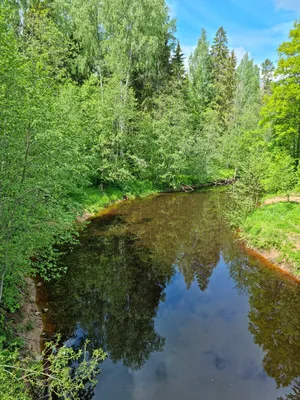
(231, 78)
(223, 74)
(200, 74)
(267, 73)
(177, 66)
(248, 84)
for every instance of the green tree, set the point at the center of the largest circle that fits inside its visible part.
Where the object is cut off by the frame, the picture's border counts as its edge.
(280, 175)
(63, 372)
(282, 109)
(245, 114)
(267, 76)
(248, 86)
(41, 160)
(200, 77)
(177, 66)
(223, 75)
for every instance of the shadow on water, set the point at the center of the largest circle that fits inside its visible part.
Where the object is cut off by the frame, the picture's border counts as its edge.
(181, 309)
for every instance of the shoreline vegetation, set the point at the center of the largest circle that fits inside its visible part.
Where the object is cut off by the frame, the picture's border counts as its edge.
(273, 231)
(96, 200)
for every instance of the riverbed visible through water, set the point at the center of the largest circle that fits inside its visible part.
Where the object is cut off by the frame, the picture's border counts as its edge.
(182, 310)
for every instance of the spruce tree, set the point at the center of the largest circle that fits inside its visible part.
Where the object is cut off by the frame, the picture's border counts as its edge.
(267, 73)
(200, 75)
(248, 85)
(177, 66)
(231, 78)
(223, 75)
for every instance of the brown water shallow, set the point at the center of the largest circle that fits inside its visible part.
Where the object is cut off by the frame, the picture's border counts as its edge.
(181, 308)
(268, 259)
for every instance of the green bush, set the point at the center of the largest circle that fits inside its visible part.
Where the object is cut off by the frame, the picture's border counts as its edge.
(60, 373)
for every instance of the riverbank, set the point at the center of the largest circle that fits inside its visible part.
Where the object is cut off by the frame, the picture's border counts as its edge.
(27, 321)
(97, 202)
(273, 231)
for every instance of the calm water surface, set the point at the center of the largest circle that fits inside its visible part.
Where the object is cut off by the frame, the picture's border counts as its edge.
(182, 310)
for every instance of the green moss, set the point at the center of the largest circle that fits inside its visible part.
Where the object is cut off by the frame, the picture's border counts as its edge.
(275, 226)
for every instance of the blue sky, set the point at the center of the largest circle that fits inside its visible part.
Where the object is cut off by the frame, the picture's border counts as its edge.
(254, 26)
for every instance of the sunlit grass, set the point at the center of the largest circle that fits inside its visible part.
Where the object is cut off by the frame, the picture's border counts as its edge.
(94, 199)
(276, 226)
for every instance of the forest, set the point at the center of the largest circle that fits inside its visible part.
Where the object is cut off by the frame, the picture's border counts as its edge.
(98, 102)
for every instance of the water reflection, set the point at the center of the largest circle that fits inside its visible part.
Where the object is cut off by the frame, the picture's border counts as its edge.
(295, 394)
(113, 292)
(187, 231)
(273, 317)
(133, 285)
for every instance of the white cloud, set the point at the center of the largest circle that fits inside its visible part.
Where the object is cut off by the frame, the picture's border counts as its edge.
(293, 5)
(260, 38)
(261, 41)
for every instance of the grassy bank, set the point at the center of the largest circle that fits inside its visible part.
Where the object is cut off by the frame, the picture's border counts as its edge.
(275, 228)
(95, 199)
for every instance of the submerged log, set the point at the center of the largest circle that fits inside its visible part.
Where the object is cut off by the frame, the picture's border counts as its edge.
(187, 188)
(225, 182)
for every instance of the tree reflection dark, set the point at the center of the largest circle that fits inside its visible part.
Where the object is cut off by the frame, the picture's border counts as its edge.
(274, 319)
(183, 230)
(295, 394)
(114, 290)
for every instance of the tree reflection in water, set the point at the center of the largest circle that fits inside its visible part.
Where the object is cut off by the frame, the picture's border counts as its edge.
(295, 394)
(118, 273)
(112, 290)
(183, 230)
(274, 319)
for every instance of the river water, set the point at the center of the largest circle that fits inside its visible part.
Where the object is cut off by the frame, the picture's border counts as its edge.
(182, 310)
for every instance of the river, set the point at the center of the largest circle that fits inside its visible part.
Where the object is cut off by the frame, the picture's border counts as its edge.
(183, 311)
